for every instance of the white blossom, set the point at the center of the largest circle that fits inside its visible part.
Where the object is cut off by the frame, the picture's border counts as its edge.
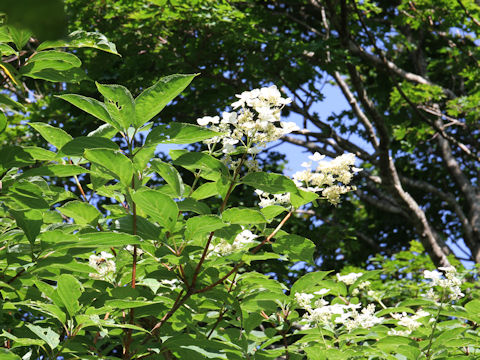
(242, 241)
(103, 264)
(349, 279)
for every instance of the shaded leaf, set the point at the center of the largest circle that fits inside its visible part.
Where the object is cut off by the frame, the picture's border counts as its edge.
(169, 174)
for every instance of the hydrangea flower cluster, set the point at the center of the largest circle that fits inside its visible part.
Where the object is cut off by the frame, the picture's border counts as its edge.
(103, 264)
(352, 316)
(253, 125)
(409, 322)
(326, 176)
(349, 279)
(241, 242)
(451, 283)
(267, 199)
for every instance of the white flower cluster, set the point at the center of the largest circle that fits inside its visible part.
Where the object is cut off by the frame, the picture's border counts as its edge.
(352, 316)
(326, 174)
(241, 242)
(103, 264)
(254, 124)
(349, 279)
(408, 322)
(451, 283)
(267, 199)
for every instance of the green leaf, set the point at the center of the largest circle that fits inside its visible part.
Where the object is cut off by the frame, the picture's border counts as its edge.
(243, 216)
(70, 76)
(6, 50)
(119, 104)
(47, 335)
(82, 39)
(8, 355)
(270, 183)
(152, 100)
(77, 146)
(114, 163)
(5, 101)
(29, 221)
(161, 208)
(193, 205)
(105, 130)
(69, 291)
(19, 37)
(302, 197)
(5, 354)
(297, 248)
(53, 135)
(3, 122)
(82, 212)
(272, 211)
(203, 224)
(212, 169)
(54, 170)
(169, 174)
(144, 228)
(28, 196)
(13, 156)
(178, 133)
(308, 281)
(55, 60)
(205, 191)
(142, 157)
(39, 153)
(91, 106)
(102, 240)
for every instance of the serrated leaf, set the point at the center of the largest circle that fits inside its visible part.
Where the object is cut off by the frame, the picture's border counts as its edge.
(92, 107)
(202, 224)
(152, 100)
(77, 146)
(114, 163)
(161, 208)
(178, 133)
(47, 335)
(54, 170)
(308, 281)
(8, 355)
(212, 169)
(19, 36)
(243, 216)
(193, 205)
(169, 174)
(55, 60)
(82, 212)
(119, 104)
(3, 122)
(297, 248)
(205, 191)
(105, 130)
(53, 135)
(69, 291)
(82, 39)
(269, 182)
(6, 102)
(142, 157)
(39, 153)
(272, 211)
(29, 221)
(74, 75)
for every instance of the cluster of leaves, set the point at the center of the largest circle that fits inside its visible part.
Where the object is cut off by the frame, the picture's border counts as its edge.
(139, 279)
